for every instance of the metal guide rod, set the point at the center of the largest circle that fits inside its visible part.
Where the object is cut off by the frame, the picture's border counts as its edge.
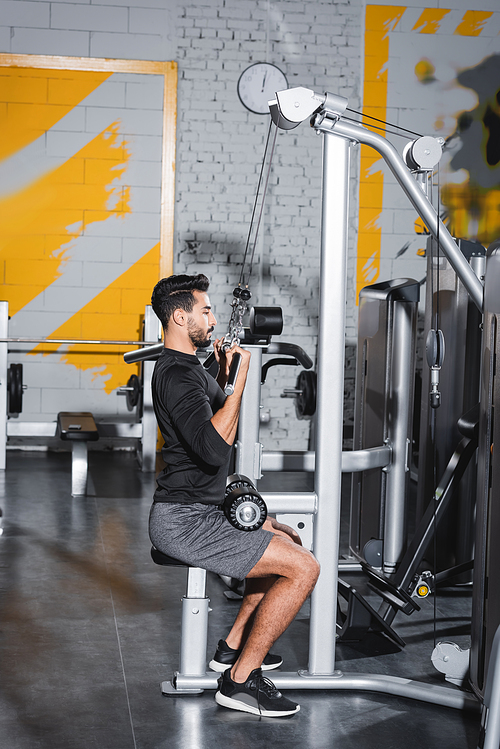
(417, 198)
(74, 341)
(331, 354)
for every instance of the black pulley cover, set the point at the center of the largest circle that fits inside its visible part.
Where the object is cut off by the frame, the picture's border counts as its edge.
(266, 321)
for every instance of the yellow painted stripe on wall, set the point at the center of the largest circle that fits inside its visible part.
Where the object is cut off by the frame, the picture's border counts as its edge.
(32, 101)
(38, 224)
(430, 20)
(379, 21)
(112, 315)
(474, 212)
(473, 22)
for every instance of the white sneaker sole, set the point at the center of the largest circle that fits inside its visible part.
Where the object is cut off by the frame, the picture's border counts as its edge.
(221, 667)
(224, 701)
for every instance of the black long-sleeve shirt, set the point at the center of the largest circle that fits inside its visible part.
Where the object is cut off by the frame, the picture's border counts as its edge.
(185, 397)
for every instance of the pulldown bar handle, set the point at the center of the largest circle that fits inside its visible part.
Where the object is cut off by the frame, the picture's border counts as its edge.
(233, 374)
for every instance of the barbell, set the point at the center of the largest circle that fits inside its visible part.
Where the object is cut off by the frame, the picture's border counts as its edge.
(304, 393)
(132, 390)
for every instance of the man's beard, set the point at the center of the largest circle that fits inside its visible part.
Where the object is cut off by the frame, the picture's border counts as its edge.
(199, 338)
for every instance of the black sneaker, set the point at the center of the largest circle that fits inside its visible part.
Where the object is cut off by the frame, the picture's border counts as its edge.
(257, 695)
(225, 657)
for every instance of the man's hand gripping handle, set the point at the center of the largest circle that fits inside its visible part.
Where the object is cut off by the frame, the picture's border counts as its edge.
(233, 374)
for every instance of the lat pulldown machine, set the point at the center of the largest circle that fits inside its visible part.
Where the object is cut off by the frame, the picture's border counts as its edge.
(290, 108)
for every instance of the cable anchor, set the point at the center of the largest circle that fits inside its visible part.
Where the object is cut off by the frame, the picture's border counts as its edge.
(241, 297)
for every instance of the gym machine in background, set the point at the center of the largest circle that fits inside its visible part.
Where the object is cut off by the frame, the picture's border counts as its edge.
(387, 327)
(486, 580)
(142, 429)
(460, 321)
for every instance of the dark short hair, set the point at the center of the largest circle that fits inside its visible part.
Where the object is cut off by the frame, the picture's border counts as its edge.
(176, 292)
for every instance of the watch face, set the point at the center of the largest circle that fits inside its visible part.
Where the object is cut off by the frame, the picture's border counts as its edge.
(258, 84)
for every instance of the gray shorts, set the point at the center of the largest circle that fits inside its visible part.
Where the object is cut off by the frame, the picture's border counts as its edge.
(201, 535)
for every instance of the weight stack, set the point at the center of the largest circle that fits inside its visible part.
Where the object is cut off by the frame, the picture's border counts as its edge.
(385, 371)
(460, 321)
(486, 580)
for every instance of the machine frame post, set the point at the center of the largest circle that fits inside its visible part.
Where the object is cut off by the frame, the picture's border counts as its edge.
(194, 628)
(330, 395)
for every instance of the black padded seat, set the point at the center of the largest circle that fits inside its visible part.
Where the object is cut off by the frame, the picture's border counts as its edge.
(77, 426)
(163, 559)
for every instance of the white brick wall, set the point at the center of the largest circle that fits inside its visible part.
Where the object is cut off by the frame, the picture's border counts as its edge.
(221, 147)
(126, 29)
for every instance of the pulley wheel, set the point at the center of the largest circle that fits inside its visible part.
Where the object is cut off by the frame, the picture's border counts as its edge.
(305, 400)
(266, 321)
(243, 505)
(133, 392)
(15, 388)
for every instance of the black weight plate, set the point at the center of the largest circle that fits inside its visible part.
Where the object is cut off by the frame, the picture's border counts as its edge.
(133, 395)
(15, 388)
(305, 401)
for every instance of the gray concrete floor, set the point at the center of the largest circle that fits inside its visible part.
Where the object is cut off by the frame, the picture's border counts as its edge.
(89, 627)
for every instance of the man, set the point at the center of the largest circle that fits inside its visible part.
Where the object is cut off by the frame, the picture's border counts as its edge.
(198, 424)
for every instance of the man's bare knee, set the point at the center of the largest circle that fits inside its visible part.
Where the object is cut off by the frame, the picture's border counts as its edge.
(310, 569)
(305, 561)
(286, 559)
